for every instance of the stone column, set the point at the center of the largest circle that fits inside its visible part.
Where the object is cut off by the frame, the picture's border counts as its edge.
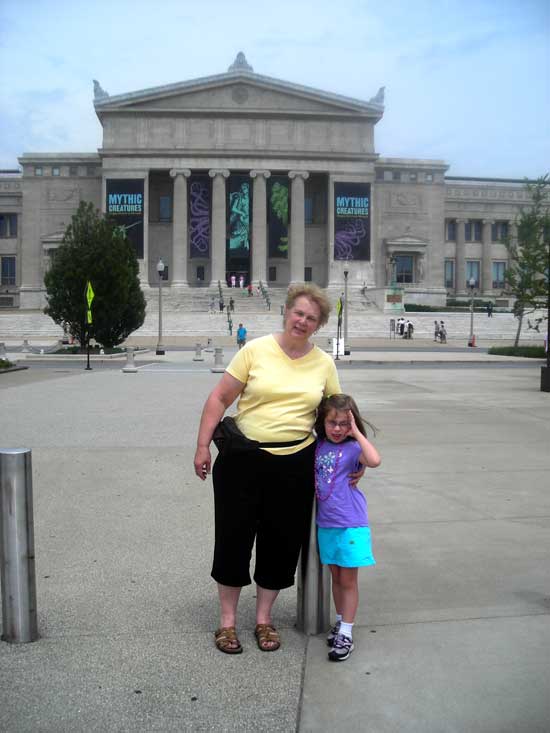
(179, 228)
(144, 263)
(486, 259)
(218, 238)
(297, 226)
(259, 226)
(460, 258)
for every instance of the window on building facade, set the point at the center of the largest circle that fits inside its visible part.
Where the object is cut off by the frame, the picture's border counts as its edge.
(499, 269)
(165, 208)
(308, 275)
(7, 270)
(73, 170)
(56, 171)
(472, 271)
(413, 177)
(396, 175)
(499, 231)
(404, 268)
(314, 208)
(272, 274)
(8, 225)
(429, 177)
(450, 230)
(379, 174)
(472, 230)
(38, 171)
(449, 274)
(90, 170)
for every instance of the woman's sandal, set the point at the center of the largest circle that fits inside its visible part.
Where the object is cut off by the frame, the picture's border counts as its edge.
(227, 641)
(267, 637)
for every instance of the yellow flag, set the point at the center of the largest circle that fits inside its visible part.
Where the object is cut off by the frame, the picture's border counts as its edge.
(89, 294)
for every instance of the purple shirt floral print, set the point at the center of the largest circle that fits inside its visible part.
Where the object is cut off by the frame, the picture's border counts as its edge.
(338, 503)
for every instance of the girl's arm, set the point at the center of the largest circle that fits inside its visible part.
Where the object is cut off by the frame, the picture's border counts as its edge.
(369, 455)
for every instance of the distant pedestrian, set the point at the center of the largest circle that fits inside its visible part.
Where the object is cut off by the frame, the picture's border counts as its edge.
(409, 328)
(212, 304)
(221, 304)
(233, 281)
(489, 310)
(231, 304)
(436, 330)
(442, 333)
(241, 281)
(250, 290)
(241, 336)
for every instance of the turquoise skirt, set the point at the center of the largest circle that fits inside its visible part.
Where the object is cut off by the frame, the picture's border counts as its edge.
(347, 547)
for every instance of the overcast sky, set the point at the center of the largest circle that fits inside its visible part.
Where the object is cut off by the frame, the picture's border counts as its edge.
(467, 81)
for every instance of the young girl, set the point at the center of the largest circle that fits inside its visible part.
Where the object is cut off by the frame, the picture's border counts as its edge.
(343, 532)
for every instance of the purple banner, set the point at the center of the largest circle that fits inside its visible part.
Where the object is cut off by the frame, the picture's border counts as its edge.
(352, 221)
(199, 216)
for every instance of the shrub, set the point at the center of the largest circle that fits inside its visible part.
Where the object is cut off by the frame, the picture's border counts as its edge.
(530, 352)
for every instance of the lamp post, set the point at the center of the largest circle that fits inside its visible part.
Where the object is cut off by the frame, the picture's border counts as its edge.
(545, 370)
(393, 278)
(471, 286)
(346, 273)
(160, 270)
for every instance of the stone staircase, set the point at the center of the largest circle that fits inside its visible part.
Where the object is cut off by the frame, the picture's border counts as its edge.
(190, 317)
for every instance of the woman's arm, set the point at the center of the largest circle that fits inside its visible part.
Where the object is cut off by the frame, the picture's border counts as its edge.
(222, 396)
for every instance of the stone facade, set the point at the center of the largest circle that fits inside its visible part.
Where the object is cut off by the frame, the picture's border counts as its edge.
(231, 137)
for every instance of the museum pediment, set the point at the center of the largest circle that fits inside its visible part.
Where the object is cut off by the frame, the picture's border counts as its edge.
(239, 91)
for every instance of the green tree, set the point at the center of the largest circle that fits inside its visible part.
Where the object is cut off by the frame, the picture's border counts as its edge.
(94, 249)
(527, 274)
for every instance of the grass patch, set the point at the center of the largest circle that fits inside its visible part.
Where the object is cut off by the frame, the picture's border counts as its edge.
(530, 352)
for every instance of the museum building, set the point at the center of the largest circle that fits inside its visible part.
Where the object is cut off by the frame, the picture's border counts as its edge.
(246, 176)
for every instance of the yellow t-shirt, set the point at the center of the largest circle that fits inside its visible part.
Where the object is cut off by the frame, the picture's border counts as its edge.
(281, 394)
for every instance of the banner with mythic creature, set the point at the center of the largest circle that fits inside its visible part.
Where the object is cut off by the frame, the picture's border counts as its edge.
(124, 204)
(238, 212)
(352, 221)
(199, 203)
(277, 216)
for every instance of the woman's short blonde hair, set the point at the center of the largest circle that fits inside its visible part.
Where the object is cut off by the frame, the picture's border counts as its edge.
(313, 293)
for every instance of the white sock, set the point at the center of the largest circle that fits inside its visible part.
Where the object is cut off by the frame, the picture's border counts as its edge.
(346, 629)
(339, 617)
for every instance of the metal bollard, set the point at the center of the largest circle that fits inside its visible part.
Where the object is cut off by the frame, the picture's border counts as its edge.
(17, 547)
(3, 352)
(313, 587)
(218, 360)
(198, 353)
(129, 367)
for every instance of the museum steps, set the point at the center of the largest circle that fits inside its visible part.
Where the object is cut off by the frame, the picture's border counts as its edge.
(188, 322)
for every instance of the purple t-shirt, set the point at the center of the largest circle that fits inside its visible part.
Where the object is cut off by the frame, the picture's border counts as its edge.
(338, 503)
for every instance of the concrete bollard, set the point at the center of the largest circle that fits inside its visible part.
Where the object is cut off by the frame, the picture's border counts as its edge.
(198, 353)
(218, 360)
(17, 547)
(313, 587)
(129, 367)
(3, 353)
(25, 349)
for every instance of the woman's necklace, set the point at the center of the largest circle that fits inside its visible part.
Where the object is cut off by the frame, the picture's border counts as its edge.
(330, 481)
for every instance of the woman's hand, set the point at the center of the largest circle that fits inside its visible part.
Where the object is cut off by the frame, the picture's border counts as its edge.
(202, 462)
(355, 476)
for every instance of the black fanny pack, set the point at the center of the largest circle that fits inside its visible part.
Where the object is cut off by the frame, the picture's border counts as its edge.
(229, 439)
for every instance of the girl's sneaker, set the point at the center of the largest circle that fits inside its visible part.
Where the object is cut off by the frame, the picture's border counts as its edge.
(342, 647)
(333, 633)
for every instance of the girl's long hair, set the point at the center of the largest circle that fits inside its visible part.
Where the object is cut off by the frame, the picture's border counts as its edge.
(341, 403)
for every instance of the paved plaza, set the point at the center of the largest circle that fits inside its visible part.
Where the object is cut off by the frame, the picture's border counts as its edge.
(453, 630)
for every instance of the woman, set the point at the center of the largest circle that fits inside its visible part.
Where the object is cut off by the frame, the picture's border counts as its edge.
(266, 494)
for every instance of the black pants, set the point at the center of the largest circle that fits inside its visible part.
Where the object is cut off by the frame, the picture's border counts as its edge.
(267, 498)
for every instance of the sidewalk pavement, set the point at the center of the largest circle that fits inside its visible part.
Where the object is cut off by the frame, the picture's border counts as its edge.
(453, 629)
